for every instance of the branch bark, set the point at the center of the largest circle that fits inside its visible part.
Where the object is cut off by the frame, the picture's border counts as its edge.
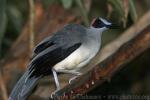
(31, 24)
(111, 58)
(3, 88)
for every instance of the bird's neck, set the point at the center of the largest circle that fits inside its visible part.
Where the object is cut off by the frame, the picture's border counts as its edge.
(97, 33)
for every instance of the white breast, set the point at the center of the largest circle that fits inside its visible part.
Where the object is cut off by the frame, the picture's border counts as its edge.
(78, 58)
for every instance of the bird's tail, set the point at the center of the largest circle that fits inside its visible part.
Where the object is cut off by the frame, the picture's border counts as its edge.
(24, 87)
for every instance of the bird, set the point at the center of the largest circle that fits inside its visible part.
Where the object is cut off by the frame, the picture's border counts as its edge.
(66, 51)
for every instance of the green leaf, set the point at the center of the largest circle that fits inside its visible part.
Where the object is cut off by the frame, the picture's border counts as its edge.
(117, 4)
(15, 17)
(83, 11)
(132, 11)
(67, 3)
(3, 22)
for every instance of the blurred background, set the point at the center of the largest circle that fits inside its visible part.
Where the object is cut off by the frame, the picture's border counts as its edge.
(18, 37)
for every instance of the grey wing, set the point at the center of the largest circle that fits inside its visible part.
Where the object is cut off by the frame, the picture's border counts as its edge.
(44, 61)
(72, 32)
(43, 45)
(64, 43)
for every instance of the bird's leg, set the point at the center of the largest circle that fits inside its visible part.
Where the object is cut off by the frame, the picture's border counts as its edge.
(73, 78)
(77, 74)
(56, 82)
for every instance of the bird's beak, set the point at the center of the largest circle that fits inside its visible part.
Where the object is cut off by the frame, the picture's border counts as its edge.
(113, 26)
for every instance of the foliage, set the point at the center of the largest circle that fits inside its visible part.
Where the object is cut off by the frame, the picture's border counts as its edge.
(3, 18)
(67, 3)
(123, 7)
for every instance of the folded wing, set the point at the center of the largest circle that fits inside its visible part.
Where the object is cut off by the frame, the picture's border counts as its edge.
(54, 49)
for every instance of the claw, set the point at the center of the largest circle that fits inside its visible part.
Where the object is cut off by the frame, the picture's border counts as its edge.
(73, 78)
(53, 94)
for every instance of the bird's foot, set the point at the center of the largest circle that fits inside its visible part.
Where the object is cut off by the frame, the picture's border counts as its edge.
(73, 78)
(53, 94)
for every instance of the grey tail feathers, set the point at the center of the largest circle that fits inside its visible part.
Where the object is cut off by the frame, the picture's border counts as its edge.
(24, 87)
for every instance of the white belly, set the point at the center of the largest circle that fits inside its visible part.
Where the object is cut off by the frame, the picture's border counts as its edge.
(78, 58)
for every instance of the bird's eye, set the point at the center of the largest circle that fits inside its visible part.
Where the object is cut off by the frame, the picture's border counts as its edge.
(98, 23)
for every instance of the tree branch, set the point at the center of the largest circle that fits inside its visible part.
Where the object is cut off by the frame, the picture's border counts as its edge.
(3, 88)
(112, 58)
(31, 24)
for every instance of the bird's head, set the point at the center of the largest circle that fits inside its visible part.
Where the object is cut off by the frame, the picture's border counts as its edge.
(102, 24)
